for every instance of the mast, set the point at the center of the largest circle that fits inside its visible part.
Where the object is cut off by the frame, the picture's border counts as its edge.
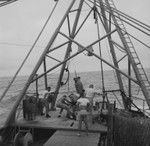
(112, 50)
(68, 51)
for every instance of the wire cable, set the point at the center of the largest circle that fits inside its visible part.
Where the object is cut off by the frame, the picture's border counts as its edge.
(147, 27)
(127, 32)
(7, 2)
(19, 44)
(134, 26)
(14, 77)
(122, 29)
(101, 63)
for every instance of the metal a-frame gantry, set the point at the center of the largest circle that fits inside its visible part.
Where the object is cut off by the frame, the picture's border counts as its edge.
(103, 11)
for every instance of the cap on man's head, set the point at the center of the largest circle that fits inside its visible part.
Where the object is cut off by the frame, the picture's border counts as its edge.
(71, 95)
(48, 87)
(91, 86)
(76, 78)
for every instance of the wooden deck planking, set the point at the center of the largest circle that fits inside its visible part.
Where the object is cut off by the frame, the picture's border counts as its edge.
(58, 123)
(70, 138)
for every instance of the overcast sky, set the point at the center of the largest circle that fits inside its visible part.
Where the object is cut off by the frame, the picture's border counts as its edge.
(21, 22)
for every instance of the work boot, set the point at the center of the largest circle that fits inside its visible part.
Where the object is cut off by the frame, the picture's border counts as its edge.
(59, 116)
(48, 116)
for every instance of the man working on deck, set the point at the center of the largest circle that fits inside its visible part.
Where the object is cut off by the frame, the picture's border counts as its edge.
(63, 103)
(50, 97)
(90, 93)
(78, 86)
(83, 106)
(45, 101)
(73, 105)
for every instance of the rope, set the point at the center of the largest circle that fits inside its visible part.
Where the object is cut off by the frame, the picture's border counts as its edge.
(19, 45)
(7, 2)
(134, 26)
(123, 30)
(95, 11)
(141, 24)
(100, 52)
(127, 33)
(28, 53)
(135, 21)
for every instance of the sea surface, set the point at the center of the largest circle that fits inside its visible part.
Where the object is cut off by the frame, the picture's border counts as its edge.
(110, 83)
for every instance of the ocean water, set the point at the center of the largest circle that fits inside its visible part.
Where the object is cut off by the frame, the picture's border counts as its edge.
(87, 78)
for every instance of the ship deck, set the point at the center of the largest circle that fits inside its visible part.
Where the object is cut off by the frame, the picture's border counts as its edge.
(61, 123)
(70, 138)
(61, 130)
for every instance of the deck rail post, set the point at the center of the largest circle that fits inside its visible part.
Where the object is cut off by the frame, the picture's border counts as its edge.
(110, 125)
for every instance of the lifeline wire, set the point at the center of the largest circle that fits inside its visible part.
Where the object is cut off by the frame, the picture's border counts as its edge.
(28, 53)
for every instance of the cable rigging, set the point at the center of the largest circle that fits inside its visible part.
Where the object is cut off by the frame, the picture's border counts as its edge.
(100, 51)
(127, 33)
(14, 77)
(7, 2)
(116, 26)
(19, 44)
(147, 27)
(107, 9)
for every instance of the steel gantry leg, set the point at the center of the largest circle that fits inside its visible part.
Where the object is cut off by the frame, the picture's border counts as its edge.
(11, 116)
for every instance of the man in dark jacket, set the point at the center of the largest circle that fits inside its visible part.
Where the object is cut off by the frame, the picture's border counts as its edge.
(79, 86)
